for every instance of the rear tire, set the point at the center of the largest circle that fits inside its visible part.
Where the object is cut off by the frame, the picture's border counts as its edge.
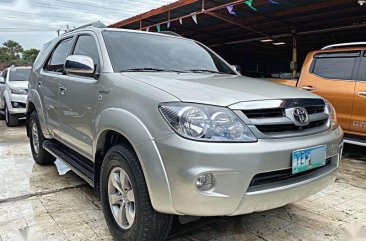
(141, 222)
(40, 155)
(11, 120)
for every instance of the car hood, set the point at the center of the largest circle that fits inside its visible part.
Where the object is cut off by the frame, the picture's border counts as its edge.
(217, 89)
(18, 84)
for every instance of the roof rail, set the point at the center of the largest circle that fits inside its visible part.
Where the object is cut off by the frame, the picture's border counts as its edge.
(89, 25)
(342, 45)
(170, 33)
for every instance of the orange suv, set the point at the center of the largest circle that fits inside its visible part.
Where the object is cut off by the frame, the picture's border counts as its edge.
(338, 73)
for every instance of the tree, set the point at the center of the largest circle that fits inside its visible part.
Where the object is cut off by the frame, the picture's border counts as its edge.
(30, 55)
(4, 57)
(13, 49)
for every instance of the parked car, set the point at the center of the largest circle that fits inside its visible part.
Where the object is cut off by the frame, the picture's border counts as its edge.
(160, 125)
(13, 94)
(338, 73)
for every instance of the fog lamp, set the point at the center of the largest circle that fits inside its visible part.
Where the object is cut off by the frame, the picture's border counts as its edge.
(205, 182)
(15, 104)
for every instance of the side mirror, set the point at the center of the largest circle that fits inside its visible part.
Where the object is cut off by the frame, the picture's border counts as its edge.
(79, 65)
(237, 68)
(2, 81)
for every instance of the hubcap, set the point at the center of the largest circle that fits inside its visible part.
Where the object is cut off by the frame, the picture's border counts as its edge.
(35, 139)
(121, 198)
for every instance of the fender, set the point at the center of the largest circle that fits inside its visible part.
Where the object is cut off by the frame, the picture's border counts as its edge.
(33, 97)
(134, 130)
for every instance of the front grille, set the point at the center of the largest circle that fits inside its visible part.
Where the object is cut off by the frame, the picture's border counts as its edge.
(264, 113)
(268, 129)
(275, 176)
(277, 118)
(314, 109)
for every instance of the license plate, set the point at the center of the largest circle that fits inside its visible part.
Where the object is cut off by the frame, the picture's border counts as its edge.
(307, 159)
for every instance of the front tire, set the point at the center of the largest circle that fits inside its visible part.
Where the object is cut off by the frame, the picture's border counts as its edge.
(40, 155)
(125, 199)
(10, 120)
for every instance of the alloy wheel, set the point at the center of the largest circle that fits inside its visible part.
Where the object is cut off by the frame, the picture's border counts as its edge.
(35, 138)
(121, 198)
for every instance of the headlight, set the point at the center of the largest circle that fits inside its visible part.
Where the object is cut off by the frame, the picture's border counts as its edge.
(18, 91)
(333, 115)
(206, 123)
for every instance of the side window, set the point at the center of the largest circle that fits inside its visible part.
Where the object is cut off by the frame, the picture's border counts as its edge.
(335, 65)
(42, 52)
(58, 57)
(87, 46)
(362, 69)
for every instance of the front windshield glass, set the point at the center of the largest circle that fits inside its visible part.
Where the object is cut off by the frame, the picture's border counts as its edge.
(19, 74)
(148, 52)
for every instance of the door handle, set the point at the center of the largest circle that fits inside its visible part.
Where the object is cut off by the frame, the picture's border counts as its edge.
(362, 93)
(62, 90)
(308, 88)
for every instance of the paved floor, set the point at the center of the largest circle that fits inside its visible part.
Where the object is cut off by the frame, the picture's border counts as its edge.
(36, 199)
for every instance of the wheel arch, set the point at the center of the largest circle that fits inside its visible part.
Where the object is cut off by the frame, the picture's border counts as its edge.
(30, 108)
(116, 126)
(107, 139)
(34, 104)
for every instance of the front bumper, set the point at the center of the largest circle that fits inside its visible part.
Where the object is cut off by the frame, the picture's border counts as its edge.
(234, 166)
(21, 100)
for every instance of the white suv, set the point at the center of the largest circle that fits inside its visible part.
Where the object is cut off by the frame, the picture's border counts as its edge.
(13, 94)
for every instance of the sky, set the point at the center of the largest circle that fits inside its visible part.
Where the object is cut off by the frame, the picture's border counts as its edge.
(35, 22)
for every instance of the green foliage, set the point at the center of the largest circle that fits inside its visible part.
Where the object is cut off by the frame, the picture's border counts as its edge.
(11, 52)
(30, 55)
(13, 49)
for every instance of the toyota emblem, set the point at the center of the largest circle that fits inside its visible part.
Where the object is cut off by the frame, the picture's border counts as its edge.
(301, 116)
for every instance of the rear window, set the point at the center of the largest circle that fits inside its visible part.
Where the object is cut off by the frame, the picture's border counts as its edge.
(335, 65)
(19, 74)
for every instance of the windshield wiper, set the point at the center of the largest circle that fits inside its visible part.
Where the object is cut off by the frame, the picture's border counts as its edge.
(206, 71)
(149, 70)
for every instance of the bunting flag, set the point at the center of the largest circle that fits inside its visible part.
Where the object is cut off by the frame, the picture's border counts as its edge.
(158, 28)
(168, 24)
(250, 4)
(273, 2)
(230, 9)
(181, 21)
(147, 29)
(194, 17)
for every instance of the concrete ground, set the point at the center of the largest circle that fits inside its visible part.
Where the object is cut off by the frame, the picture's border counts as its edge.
(36, 199)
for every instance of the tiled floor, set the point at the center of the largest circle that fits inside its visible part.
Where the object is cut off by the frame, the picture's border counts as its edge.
(35, 200)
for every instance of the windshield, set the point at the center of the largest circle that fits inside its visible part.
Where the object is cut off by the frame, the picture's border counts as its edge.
(19, 74)
(148, 52)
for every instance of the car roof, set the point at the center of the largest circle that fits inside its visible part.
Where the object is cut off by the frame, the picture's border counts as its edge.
(335, 50)
(94, 29)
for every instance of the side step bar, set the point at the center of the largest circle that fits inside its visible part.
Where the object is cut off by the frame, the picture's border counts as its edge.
(80, 165)
(354, 141)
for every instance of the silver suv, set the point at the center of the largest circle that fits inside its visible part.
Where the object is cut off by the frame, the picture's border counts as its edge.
(160, 125)
(13, 94)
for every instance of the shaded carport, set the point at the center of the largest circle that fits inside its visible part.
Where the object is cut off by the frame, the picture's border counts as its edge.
(272, 38)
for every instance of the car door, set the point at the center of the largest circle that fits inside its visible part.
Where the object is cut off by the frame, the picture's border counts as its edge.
(2, 89)
(78, 97)
(332, 76)
(48, 84)
(358, 123)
